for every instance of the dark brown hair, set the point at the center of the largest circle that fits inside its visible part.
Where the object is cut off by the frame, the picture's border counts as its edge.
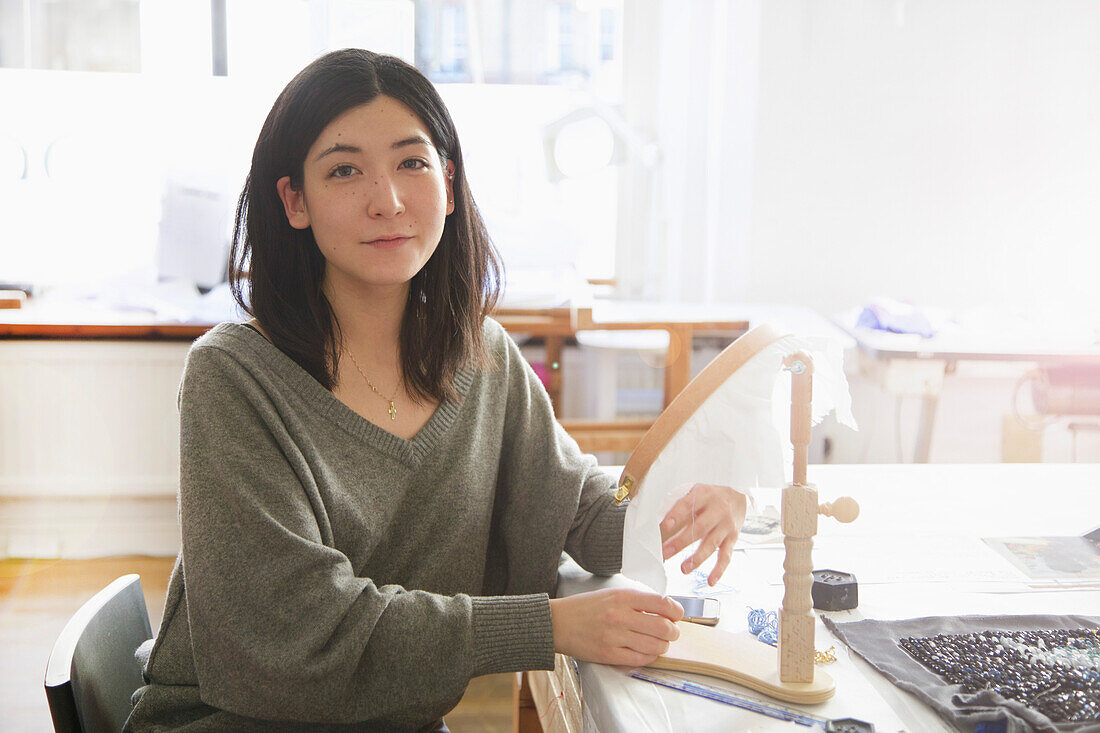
(276, 271)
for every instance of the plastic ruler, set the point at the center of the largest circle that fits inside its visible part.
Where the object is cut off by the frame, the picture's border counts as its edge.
(718, 694)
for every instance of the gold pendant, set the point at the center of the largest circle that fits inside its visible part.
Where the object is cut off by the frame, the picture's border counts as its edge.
(393, 411)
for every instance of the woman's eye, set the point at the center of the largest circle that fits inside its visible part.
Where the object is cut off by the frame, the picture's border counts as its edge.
(414, 164)
(342, 171)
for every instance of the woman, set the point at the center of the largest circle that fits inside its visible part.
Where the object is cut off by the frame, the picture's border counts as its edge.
(374, 493)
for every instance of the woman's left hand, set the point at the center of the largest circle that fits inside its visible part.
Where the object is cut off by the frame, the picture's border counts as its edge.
(707, 514)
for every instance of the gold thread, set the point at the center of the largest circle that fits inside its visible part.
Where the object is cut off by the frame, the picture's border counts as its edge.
(826, 657)
(392, 409)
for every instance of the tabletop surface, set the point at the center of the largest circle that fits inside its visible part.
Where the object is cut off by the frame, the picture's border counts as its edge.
(56, 317)
(999, 341)
(916, 550)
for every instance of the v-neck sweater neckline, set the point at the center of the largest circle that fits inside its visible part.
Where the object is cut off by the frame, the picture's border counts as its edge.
(411, 451)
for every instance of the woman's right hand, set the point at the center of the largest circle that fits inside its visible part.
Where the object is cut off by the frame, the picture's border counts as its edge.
(615, 626)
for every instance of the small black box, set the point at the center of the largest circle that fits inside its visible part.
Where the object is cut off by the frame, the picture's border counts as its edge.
(834, 590)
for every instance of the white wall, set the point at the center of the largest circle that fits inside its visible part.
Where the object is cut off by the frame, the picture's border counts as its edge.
(89, 447)
(946, 152)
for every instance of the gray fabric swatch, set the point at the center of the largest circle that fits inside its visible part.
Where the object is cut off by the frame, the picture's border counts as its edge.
(877, 642)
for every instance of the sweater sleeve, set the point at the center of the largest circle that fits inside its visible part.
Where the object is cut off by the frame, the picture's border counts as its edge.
(282, 628)
(548, 477)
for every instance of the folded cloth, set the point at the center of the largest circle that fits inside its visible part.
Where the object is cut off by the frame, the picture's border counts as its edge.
(877, 642)
(896, 317)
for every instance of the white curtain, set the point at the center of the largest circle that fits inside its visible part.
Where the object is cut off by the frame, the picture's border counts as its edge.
(823, 153)
(690, 87)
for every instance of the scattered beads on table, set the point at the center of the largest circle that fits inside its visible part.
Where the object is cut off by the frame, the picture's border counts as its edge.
(1056, 673)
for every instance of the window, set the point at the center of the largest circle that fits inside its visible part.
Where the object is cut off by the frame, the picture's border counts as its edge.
(608, 44)
(512, 42)
(199, 77)
(442, 44)
(562, 53)
(71, 35)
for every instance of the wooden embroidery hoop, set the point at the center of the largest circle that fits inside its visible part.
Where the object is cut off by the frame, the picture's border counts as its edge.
(788, 672)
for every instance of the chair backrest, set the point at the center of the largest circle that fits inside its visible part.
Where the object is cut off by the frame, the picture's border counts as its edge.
(92, 671)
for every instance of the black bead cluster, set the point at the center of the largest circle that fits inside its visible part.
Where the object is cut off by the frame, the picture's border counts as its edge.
(1056, 673)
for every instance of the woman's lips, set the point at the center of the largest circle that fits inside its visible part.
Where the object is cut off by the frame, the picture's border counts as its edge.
(388, 242)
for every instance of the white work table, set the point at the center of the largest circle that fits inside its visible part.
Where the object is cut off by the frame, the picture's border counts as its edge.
(915, 550)
(907, 364)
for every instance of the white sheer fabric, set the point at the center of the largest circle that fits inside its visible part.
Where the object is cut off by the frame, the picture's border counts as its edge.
(739, 437)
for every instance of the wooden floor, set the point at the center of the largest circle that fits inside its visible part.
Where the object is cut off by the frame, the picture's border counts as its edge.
(38, 596)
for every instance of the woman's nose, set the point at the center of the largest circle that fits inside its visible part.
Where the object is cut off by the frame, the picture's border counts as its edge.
(385, 199)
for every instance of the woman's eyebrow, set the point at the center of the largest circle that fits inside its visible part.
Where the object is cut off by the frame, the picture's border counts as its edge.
(414, 140)
(338, 148)
(345, 148)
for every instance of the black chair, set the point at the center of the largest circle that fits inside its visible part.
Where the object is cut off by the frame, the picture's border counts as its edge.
(92, 671)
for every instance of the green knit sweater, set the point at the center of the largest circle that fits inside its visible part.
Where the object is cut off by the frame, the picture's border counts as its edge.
(332, 573)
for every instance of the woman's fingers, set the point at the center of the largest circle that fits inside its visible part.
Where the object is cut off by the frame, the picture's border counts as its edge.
(706, 548)
(644, 644)
(678, 516)
(725, 552)
(656, 627)
(625, 657)
(697, 528)
(708, 514)
(662, 606)
(651, 635)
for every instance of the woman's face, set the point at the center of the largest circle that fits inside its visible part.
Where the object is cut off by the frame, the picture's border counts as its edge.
(375, 194)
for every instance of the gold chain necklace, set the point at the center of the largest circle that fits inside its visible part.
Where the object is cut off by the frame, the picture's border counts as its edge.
(392, 410)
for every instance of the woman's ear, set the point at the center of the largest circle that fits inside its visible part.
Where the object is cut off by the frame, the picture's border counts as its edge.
(449, 176)
(294, 203)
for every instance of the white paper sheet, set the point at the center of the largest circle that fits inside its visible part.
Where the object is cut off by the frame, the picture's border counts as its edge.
(938, 559)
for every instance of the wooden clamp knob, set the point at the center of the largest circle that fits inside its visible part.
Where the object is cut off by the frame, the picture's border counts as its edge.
(845, 509)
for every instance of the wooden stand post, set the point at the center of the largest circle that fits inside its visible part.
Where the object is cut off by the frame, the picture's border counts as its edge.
(788, 673)
(799, 522)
